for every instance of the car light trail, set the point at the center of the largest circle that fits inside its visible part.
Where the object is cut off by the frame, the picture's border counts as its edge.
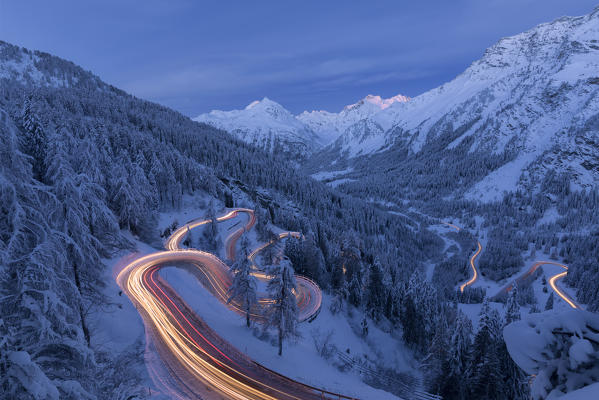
(205, 357)
(553, 283)
(472, 260)
(474, 271)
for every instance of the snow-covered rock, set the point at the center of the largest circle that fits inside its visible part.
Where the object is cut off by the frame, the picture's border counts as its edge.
(560, 349)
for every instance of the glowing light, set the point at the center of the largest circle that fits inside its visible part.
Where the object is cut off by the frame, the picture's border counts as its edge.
(199, 356)
(474, 271)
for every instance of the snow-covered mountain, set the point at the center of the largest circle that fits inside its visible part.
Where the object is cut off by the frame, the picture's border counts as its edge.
(532, 97)
(269, 125)
(331, 125)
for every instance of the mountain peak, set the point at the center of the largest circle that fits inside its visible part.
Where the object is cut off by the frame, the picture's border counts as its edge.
(264, 103)
(377, 101)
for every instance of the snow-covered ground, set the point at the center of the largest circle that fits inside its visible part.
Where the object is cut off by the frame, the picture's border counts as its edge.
(548, 270)
(327, 175)
(590, 392)
(121, 327)
(300, 360)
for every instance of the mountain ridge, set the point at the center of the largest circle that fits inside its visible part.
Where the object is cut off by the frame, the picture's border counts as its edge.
(267, 124)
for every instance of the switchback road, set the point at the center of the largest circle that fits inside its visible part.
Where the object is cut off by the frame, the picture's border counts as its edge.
(198, 361)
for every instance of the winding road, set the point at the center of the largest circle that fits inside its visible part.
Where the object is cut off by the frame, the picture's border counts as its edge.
(198, 363)
(472, 260)
(552, 281)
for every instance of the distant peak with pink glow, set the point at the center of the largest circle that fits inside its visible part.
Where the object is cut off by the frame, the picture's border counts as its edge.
(379, 101)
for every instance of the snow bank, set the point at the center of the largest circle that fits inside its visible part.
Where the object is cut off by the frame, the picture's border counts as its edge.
(300, 360)
(560, 348)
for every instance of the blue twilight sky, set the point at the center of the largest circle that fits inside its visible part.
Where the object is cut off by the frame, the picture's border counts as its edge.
(195, 56)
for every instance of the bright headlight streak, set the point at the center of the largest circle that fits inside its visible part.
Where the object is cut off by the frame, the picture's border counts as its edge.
(177, 339)
(553, 283)
(474, 271)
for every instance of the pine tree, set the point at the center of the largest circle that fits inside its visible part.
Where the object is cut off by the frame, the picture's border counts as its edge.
(455, 386)
(354, 291)
(187, 242)
(364, 326)
(283, 312)
(210, 233)
(34, 141)
(375, 291)
(549, 304)
(437, 360)
(484, 375)
(243, 288)
(512, 312)
(413, 325)
(304, 256)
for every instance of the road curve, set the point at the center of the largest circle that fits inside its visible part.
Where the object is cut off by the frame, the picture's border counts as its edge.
(200, 360)
(218, 278)
(552, 282)
(473, 266)
(472, 260)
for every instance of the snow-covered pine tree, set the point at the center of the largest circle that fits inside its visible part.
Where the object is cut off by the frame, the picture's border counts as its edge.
(549, 304)
(243, 288)
(375, 291)
(512, 308)
(187, 241)
(282, 312)
(210, 234)
(436, 361)
(40, 331)
(454, 385)
(354, 291)
(34, 141)
(305, 256)
(270, 253)
(484, 374)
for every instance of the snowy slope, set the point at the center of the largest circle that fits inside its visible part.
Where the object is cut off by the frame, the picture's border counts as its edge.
(41, 69)
(332, 125)
(533, 95)
(269, 125)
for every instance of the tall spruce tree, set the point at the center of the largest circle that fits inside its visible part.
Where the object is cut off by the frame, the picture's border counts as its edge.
(512, 308)
(484, 375)
(283, 312)
(34, 140)
(454, 385)
(549, 304)
(375, 291)
(243, 289)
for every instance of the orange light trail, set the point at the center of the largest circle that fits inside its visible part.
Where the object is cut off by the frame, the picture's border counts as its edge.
(191, 349)
(474, 271)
